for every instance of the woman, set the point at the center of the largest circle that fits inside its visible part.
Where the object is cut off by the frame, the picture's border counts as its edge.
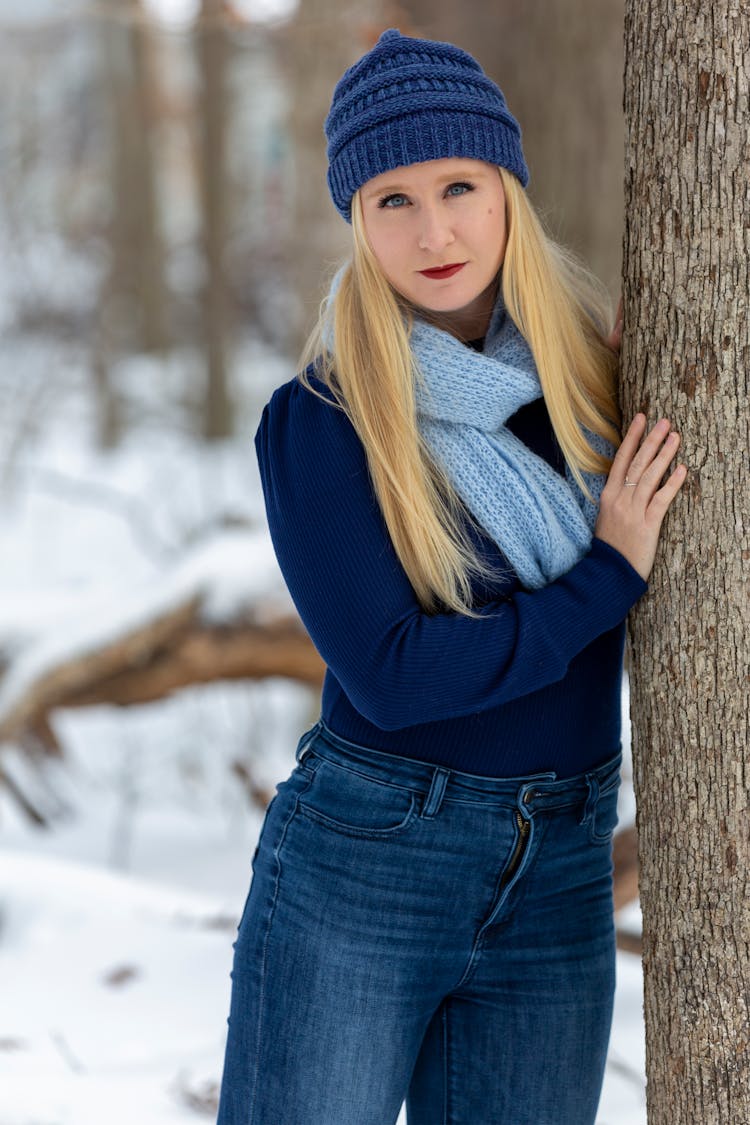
(430, 916)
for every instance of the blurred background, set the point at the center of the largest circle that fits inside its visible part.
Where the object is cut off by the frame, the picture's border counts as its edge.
(166, 237)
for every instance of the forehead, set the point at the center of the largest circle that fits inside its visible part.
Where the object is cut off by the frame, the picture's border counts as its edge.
(430, 173)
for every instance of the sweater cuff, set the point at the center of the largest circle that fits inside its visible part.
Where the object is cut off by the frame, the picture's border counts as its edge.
(632, 580)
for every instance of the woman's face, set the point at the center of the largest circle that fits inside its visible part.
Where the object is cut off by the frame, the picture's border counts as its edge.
(438, 232)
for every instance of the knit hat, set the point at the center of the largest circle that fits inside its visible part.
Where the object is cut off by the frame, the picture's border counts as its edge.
(409, 100)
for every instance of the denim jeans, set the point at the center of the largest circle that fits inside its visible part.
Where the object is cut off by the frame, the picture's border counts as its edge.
(416, 933)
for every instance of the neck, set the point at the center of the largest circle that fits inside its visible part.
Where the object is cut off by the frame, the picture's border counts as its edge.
(470, 323)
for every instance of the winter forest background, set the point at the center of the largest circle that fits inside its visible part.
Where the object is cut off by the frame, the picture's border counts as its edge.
(165, 237)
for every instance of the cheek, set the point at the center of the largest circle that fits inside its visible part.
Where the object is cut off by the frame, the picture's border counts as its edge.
(495, 222)
(385, 246)
(488, 228)
(489, 238)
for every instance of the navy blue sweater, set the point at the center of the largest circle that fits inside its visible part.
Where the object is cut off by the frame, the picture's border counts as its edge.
(532, 685)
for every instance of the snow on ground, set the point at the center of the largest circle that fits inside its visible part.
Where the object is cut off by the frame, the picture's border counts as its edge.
(112, 994)
(117, 922)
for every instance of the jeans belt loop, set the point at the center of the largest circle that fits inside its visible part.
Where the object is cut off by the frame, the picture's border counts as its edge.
(305, 741)
(591, 799)
(435, 795)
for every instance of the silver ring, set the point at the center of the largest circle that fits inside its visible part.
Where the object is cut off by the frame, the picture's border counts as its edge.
(630, 483)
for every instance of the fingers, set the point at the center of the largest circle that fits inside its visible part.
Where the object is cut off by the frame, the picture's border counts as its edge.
(648, 468)
(633, 462)
(627, 450)
(630, 518)
(661, 500)
(649, 473)
(648, 450)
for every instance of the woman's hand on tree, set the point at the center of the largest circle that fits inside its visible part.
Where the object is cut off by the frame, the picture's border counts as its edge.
(633, 505)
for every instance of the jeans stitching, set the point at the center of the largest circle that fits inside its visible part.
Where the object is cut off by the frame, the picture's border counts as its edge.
(595, 838)
(262, 992)
(446, 1082)
(518, 886)
(433, 799)
(366, 776)
(359, 832)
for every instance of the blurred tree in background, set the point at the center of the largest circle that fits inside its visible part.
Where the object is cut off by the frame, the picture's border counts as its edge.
(131, 312)
(559, 64)
(177, 171)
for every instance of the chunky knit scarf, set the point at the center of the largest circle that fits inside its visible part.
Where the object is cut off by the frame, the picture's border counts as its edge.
(540, 520)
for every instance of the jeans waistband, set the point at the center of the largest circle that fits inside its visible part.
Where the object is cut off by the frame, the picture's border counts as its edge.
(532, 792)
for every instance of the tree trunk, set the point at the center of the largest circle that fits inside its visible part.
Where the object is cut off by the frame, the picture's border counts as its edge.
(686, 356)
(132, 310)
(320, 44)
(213, 51)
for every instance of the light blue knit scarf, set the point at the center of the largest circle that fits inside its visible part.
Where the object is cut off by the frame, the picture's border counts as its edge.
(540, 520)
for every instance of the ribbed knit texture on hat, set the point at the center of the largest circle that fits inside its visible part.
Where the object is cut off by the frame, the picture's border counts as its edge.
(410, 100)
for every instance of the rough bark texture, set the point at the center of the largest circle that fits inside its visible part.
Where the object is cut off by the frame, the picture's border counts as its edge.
(686, 355)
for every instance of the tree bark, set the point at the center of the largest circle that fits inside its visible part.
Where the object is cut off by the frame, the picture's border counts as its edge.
(686, 356)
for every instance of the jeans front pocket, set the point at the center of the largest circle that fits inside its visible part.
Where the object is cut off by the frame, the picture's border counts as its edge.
(354, 804)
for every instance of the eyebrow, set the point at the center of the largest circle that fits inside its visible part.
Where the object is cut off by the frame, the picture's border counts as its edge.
(395, 186)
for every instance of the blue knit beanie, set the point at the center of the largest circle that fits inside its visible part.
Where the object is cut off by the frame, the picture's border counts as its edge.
(409, 100)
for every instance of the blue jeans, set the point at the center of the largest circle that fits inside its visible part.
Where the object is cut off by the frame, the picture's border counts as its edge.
(416, 933)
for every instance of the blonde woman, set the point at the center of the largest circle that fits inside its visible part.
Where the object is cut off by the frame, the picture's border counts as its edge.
(463, 533)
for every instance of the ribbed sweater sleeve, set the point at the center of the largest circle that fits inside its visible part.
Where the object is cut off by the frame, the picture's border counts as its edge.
(398, 665)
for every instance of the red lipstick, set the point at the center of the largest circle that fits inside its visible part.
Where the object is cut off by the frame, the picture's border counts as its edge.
(441, 272)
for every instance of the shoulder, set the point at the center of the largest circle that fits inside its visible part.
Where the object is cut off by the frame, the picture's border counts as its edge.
(293, 401)
(301, 426)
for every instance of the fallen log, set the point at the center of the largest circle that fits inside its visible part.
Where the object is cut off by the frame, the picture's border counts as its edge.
(174, 649)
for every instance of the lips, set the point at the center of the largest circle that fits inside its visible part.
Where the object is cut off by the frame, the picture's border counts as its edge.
(441, 272)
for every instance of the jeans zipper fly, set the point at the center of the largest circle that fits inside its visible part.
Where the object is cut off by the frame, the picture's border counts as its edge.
(515, 859)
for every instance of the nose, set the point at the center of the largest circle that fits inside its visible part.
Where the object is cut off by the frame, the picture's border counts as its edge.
(435, 231)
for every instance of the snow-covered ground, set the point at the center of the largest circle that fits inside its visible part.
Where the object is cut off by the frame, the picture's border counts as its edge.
(117, 921)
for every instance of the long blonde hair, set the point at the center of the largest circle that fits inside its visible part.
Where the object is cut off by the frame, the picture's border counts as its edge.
(560, 309)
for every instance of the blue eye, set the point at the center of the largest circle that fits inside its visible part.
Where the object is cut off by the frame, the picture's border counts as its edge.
(459, 188)
(392, 201)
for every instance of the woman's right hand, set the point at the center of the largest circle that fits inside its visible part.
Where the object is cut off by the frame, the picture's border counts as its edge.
(632, 505)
